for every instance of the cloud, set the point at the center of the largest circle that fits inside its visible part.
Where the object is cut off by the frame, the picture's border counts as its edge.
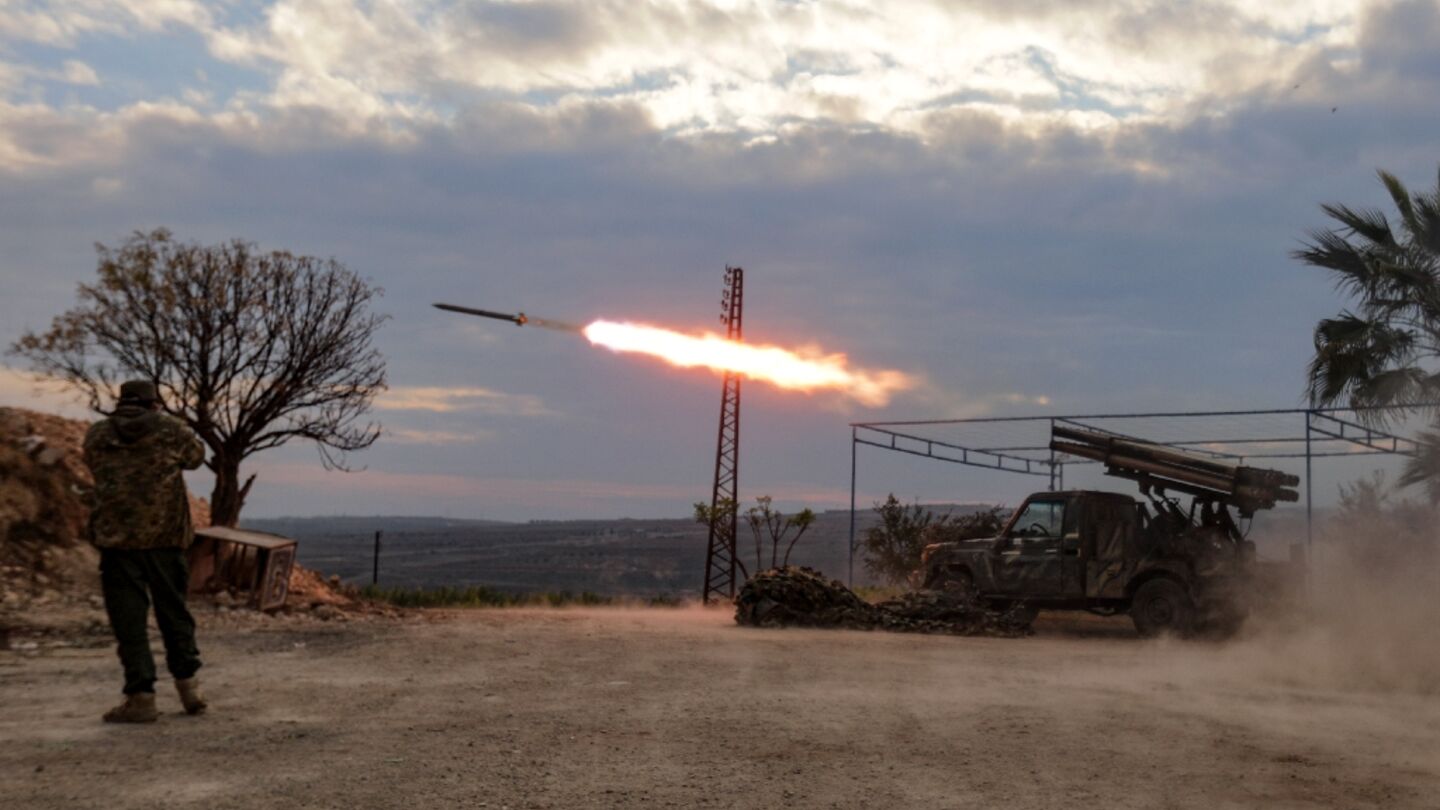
(435, 437)
(63, 24)
(943, 402)
(22, 389)
(492, 489)
(503, 496)
(462, 399)
(701, 66)
(77, 72)
(560, 76)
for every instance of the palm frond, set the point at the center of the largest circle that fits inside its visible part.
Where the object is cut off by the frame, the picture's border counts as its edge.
(1393, 387)
(1426, 237)
(1354, 270)
(1381, 352)
(1423, 469)
(1352, 357)
(1400, 287)
(1369, 223)
(1401, 197)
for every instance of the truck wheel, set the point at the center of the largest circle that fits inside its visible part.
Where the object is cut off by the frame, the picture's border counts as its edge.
(958, 584)
(1162, 606)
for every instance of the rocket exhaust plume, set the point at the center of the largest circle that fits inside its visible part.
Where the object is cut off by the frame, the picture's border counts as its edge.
(807, 370)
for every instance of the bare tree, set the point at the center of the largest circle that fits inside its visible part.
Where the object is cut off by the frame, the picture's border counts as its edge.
(766, 523)
(251, 349)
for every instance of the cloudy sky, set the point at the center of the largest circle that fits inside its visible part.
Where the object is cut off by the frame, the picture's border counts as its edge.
(1031, 207)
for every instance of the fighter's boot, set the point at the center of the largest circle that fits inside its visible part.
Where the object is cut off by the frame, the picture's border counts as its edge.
(189, 689)
(137, 708)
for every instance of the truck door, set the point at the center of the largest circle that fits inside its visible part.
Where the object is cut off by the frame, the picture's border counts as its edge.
(1075, 548)
(1110, 565)
(1029, 561)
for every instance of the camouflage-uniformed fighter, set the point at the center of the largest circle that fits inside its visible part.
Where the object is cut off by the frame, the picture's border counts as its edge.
(141, 524)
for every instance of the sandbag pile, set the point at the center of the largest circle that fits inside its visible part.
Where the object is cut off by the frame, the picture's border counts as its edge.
(802, 597)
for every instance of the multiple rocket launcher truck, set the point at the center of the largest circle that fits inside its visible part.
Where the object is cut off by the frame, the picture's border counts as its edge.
(1174, 568)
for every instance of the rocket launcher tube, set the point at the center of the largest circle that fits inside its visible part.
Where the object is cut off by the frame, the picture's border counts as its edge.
(1216, 484)
(1144, 450)
(1248, 488)
(1252, 476)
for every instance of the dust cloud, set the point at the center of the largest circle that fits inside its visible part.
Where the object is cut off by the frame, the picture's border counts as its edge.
(1369, 616)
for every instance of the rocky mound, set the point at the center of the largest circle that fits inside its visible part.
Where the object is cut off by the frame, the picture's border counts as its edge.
(802, 597)
(43, 484)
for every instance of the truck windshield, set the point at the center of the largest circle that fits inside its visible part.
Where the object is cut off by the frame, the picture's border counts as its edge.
(1040, 519)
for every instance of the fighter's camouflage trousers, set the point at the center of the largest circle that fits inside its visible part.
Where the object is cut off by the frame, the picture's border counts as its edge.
(131, 579)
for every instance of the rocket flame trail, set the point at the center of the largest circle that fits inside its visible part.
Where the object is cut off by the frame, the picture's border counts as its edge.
(797, 371)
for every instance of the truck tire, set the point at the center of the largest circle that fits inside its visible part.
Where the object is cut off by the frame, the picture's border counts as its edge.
(1162, 606)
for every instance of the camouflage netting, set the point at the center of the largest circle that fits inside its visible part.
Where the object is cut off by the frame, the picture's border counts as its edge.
(802, 597)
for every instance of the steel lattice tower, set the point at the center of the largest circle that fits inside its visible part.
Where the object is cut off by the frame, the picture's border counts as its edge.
(725, 496)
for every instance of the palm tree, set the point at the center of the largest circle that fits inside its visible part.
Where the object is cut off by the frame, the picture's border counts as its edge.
(1385, 352)
(1424, 468)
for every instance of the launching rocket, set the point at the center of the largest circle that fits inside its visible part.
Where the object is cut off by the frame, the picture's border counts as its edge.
(517, 319)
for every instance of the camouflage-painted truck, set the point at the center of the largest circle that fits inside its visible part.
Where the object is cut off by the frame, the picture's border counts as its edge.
(1175, 568)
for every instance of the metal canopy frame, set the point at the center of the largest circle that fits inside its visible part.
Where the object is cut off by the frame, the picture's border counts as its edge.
(1015, 445)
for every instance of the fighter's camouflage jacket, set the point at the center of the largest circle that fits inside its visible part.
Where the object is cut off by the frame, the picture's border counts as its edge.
(140, 502)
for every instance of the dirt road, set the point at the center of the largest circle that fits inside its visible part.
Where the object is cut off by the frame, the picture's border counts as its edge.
(680, 708)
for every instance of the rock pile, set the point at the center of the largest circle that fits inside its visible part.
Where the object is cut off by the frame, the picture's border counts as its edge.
(44, 558)
(326, 602)
(802, 597)
(328, 599)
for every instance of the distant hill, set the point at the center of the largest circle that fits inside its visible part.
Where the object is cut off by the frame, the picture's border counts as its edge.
(301, 527)
(643, 557)
(629, 556)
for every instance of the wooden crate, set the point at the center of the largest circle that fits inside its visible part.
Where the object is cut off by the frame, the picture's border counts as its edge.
(256, 563)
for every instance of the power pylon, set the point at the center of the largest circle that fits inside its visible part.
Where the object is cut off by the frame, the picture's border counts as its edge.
(720, 562)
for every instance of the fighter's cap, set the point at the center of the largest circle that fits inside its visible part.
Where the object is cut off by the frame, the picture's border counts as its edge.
(139, 391)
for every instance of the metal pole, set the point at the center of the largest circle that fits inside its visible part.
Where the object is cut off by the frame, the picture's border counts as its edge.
(1053, 488)
(721, 554)
(375, 573)
(854, 446)
(1308, 586)
(1309, 494)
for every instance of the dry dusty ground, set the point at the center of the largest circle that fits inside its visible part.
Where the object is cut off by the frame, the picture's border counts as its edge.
(680, 708)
